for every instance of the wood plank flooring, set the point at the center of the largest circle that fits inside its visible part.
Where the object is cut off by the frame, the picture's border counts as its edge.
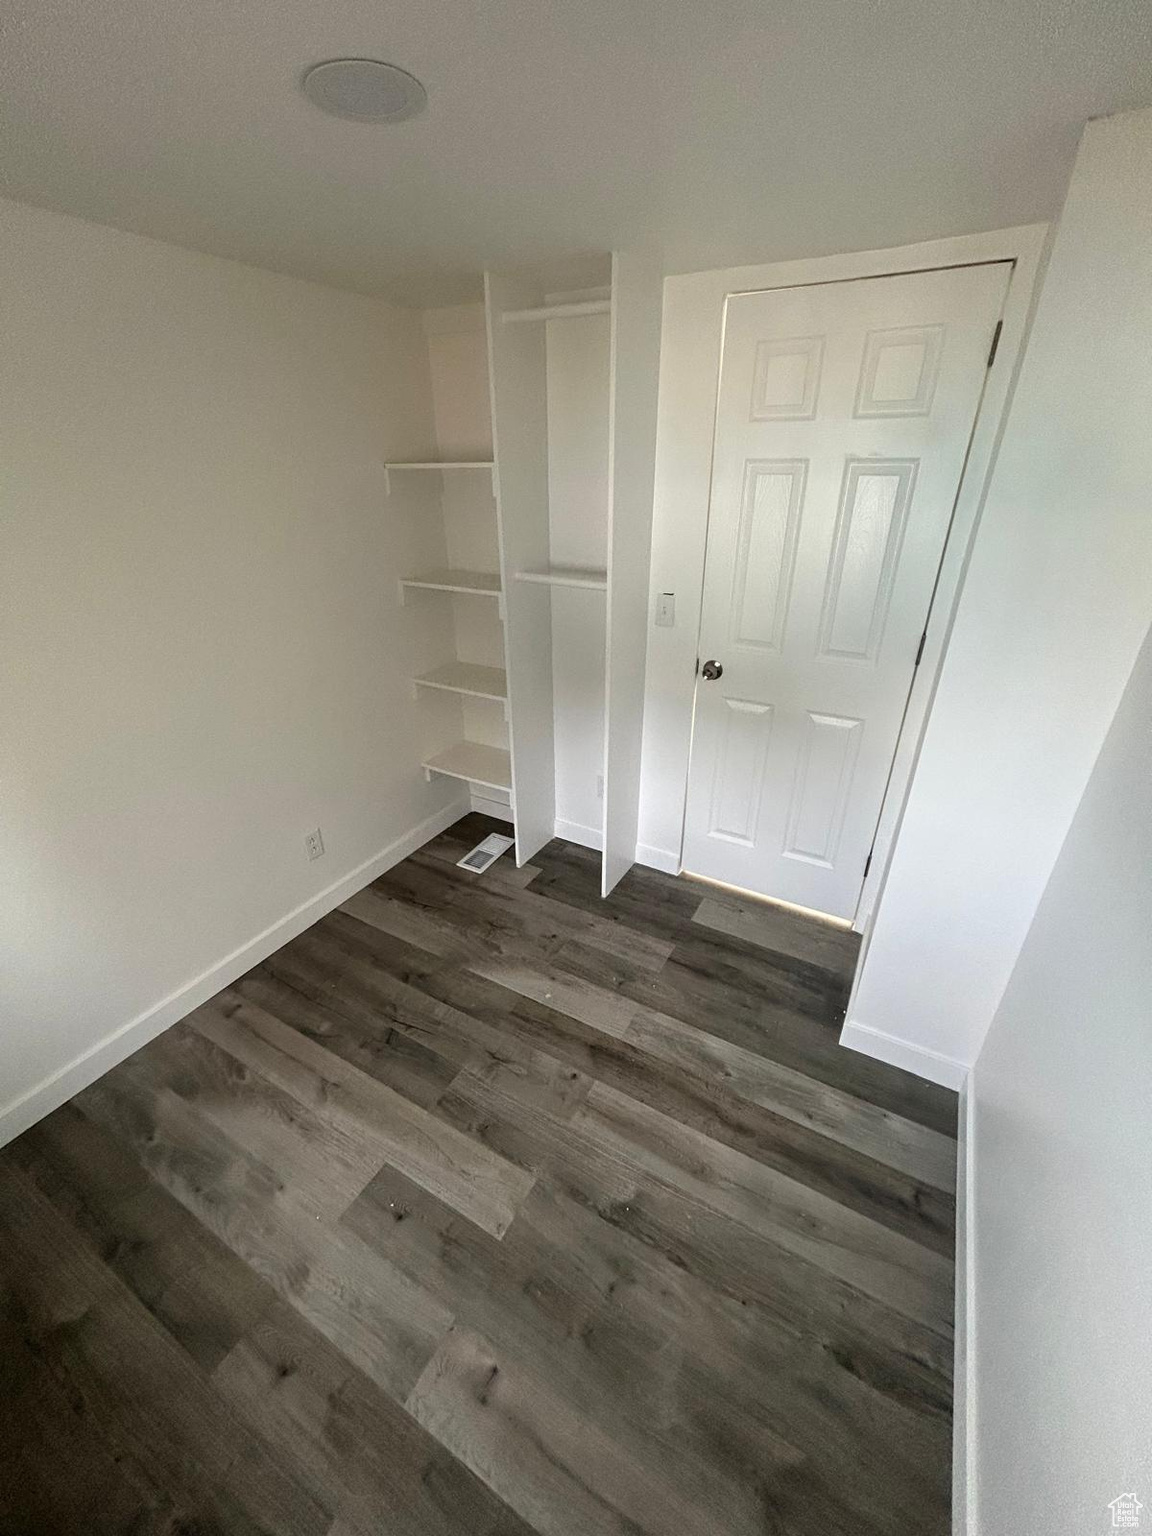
(487, 1208)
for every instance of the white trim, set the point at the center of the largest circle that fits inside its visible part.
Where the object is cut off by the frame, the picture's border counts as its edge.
(951, 251)
(577, 832)
(658, 858)
(933, 1065)
(76, 1074)
(1027, 248)
(963, 1375)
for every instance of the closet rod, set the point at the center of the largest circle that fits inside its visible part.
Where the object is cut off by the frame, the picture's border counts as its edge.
(559, 311)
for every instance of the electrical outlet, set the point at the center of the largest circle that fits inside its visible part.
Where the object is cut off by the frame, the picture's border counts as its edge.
(314, 843)
(599, 786)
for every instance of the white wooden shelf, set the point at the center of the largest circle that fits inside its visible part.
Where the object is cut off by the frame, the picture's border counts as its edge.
(558, 311)
(490, 767)
(482, 583)
(468, 678)
(567, 576)
(439, 465)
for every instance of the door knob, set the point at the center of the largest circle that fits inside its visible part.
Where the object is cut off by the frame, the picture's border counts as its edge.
(712, 670)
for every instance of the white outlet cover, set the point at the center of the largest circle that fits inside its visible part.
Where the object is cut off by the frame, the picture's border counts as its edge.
(485, 854)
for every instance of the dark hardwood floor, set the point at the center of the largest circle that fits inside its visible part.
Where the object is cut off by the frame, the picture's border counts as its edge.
(486, 1207)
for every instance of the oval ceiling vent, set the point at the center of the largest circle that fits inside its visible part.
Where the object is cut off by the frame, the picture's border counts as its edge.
(365, 90)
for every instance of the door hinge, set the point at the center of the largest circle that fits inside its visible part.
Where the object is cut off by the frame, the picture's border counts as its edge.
(995, 343)
(867, 865)
(697, 666)
(920, 649)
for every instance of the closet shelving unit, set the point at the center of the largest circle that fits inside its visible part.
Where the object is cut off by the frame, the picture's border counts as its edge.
(573, 422)
(462, 696)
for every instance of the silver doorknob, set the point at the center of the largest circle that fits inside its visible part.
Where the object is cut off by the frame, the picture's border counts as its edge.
(712, 670)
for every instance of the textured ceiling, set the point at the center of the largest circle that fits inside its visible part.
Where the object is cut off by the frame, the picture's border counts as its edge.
(723, 131)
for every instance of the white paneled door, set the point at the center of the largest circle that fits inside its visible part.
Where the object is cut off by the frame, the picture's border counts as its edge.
(844, 417)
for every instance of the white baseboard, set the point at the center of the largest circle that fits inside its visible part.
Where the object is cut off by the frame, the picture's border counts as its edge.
(658, 858)
(933, 1065)
(500, 809)
(76, 1074)
(963, 1385)
(576, 832)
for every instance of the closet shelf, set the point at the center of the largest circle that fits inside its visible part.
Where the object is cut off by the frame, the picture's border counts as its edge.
(469, 678)
(490, 767)
(558, 311)
(567, 576)
(440, 464)
(484, 583)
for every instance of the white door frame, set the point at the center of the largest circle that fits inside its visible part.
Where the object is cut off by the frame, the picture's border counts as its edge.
(694, 307)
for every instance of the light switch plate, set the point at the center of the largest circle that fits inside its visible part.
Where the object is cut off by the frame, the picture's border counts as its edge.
(666, 610)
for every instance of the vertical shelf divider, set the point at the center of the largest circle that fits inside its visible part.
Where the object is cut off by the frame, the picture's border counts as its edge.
(518, 389)
(636, 309)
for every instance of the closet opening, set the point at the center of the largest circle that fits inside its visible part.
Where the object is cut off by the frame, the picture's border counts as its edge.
(529, 617)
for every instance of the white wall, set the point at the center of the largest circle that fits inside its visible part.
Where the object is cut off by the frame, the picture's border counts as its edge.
(1060, 1392)
(1056, 600)
(204, 653)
